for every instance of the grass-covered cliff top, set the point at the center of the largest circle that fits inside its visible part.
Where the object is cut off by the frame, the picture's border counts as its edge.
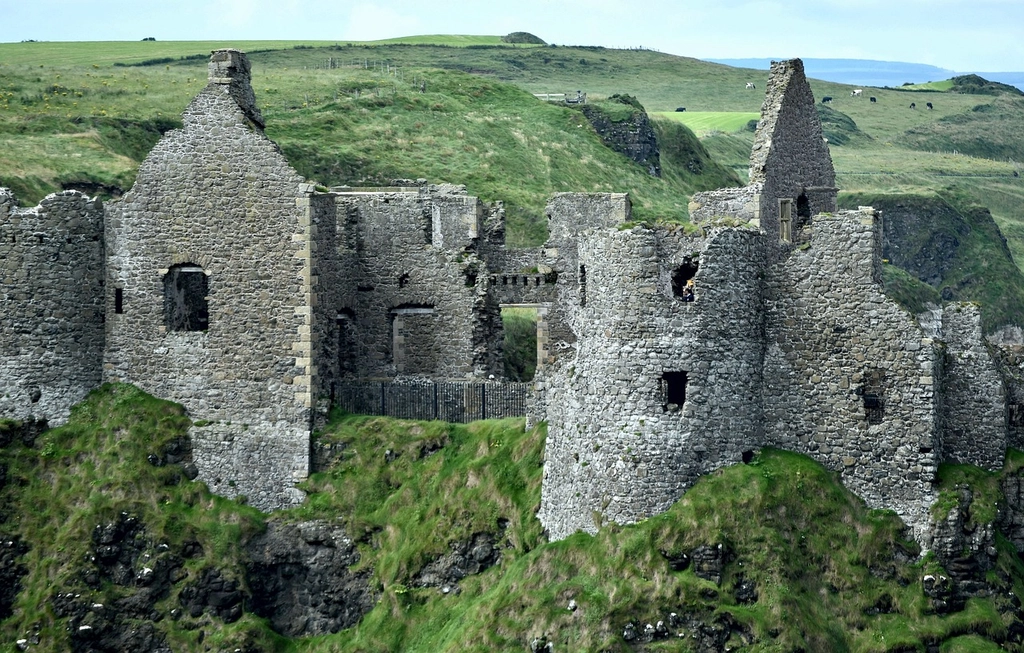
(804, 564)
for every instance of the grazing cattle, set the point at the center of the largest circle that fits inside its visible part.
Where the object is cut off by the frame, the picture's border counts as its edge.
(856, 93)
(750, 85)
(827, 99)
(680, 108)
(874, 99)
(929, 105)
(913, 105)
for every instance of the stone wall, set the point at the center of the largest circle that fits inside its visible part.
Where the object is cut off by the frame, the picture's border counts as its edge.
(218, 199)
(619, 447)
(973, 395)
(421, 304)
(849, 377)
(790, 159)
(51, 322)
(1010, 359)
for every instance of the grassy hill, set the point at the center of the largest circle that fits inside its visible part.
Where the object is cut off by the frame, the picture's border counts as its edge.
(769, 556)
(458, 109)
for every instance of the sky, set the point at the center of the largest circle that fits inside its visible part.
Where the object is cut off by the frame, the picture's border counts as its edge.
(959, 35)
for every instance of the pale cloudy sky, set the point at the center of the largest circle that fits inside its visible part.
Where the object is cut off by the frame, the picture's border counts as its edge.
(960, 35)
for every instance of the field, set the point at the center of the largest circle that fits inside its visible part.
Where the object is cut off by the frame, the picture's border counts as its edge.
(703, 122)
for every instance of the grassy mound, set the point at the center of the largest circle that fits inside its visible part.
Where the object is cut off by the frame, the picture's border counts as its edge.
(774, 555)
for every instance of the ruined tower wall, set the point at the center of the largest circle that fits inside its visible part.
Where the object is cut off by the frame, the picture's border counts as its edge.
(973, 394)
(618, 449)
(790, 156)
(219, 197)
(849, 377)
(51, 287)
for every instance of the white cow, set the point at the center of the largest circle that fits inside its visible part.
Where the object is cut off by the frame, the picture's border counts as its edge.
(750, 85)
(856, 93)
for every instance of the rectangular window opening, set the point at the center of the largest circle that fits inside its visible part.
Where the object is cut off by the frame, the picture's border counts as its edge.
(673, 390)
(583, 285)
(119, 300)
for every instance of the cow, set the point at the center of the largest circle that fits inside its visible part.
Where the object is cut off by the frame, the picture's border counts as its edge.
(680, 108)
(873, 99)
(856, 93)
(929, 105)
(750, 85)
(913, 105)
(826, 100)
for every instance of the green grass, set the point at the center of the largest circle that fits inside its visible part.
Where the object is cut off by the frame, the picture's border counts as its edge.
(943, 85)
(818, 565)
(702, 122)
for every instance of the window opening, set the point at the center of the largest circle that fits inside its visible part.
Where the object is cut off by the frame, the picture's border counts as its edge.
(786, 220)
(583, 285)
(403, 280)
(185, 304)
(1015, 415)
(872, 397)
(803, 211)
(682, 280)
(119, 300)
(673, 390)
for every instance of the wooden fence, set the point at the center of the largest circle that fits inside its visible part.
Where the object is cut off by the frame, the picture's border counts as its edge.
(449, 401)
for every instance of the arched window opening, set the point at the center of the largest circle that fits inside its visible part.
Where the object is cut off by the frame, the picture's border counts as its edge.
(185, 304)
(682, 280)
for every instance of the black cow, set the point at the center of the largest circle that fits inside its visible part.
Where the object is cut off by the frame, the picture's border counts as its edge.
(929, 105)
(874, 99)
(680, 108)
(913, 105)
(826, 99)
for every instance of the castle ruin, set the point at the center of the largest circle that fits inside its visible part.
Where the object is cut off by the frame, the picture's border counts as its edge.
(225, 281)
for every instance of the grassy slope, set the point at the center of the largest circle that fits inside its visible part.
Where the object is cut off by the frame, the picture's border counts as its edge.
(70, 117)
(818, 566)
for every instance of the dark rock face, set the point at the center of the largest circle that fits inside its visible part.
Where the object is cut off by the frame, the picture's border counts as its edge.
(300, 579)
(98, 628)
(633, 137)
(966, 550)
(465, 559)
(213, 594)
(11, 571)
(124, 556)
(709, 562)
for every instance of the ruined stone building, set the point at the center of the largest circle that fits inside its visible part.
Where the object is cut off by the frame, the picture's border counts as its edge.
(225, 281)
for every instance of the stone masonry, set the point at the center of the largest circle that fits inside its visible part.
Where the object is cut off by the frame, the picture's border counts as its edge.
(225, 281)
